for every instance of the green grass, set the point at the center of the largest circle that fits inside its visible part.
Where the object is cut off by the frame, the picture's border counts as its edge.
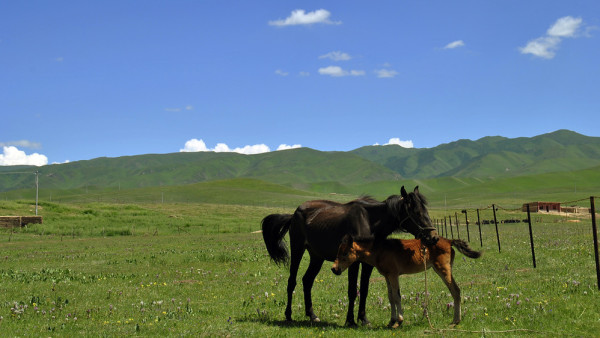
(197, 269)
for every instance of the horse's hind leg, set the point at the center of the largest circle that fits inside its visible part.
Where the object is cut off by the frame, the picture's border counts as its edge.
(352, 291)
(297, 250)
(444, 270)
(307, 282)
(365, 275)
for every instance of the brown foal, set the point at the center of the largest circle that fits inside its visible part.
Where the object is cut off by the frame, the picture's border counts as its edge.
(394, 257)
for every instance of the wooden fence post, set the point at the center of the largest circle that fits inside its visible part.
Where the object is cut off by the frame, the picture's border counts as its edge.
(445, 226)
(451, 231)
(531, 236)
(457, 229)
(479, 224)
(496, 223)
(467, 223)
(593, 210)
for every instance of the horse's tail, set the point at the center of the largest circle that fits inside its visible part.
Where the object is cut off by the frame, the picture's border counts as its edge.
(464, 248)
(274, 227)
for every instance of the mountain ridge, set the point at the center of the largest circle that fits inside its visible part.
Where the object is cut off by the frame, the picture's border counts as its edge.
(309, 169)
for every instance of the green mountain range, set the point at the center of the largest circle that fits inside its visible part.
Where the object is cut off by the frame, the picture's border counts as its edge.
(484, 160)
(496, 156)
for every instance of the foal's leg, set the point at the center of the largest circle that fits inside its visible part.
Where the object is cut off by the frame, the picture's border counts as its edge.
(445, 271)
(396, 287)
(393, 287)
(365, 275)
(352, 291)
(307, 282)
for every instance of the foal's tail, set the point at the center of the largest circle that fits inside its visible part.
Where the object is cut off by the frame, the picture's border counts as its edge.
(463, 247)
(274, 227)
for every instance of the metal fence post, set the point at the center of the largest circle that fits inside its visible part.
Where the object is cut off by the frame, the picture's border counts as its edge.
(593, 210)
(496, 223)
(467, 223)
(531, 236)
(479, 224)
(457, 228)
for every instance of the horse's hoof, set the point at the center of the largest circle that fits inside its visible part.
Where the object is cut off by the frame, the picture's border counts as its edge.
(350, 323)
(394, 325)
(365, 322)
(314, 319)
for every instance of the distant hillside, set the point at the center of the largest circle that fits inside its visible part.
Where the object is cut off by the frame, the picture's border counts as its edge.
(297, 168)
(311, 170)
(497, 156)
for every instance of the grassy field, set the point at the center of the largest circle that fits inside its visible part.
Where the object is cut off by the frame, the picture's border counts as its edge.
(198, 269)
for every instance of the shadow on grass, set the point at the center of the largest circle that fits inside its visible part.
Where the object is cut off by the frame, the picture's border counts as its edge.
(288, 324)
(308, 324)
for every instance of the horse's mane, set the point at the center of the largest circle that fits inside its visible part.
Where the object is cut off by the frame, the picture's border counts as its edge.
(395, 203)
(419, 198)
(366, 200)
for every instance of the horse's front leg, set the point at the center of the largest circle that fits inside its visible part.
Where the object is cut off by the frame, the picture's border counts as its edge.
(352, 291)
(365, 275)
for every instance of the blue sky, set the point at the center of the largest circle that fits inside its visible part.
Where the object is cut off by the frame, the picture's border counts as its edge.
(85, 79)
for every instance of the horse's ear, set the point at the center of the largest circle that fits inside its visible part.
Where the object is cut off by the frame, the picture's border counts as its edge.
(403, 192)
(416, 191)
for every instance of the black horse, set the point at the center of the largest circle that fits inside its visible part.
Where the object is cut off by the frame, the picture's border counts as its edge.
(318, 226)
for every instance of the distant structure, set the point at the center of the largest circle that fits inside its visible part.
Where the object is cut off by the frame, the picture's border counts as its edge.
(542, 207)
(19, 221)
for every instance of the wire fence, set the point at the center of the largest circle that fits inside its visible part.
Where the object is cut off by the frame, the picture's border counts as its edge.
(446, 223)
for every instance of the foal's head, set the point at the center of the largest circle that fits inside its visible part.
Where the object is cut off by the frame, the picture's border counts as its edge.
(347, 254)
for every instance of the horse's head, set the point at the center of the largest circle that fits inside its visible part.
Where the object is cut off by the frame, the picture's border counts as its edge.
(346, 255)
(411, 213)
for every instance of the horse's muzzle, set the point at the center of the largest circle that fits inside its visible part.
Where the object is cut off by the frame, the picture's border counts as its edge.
(337, 271)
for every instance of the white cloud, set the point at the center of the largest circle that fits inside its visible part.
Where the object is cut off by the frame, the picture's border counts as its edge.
(178, 109)
(386, 73)
(398, 142)
(195, 145)
(455, 44)
(544, 47)
(336, 71)
(304, 73)
(59, 59)
(547, 45)
(357, 72)
(300, 17)
(281, 72)
(565, 27)
(336, 56)
(13, 156)
(286, 147)
(22, 143)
